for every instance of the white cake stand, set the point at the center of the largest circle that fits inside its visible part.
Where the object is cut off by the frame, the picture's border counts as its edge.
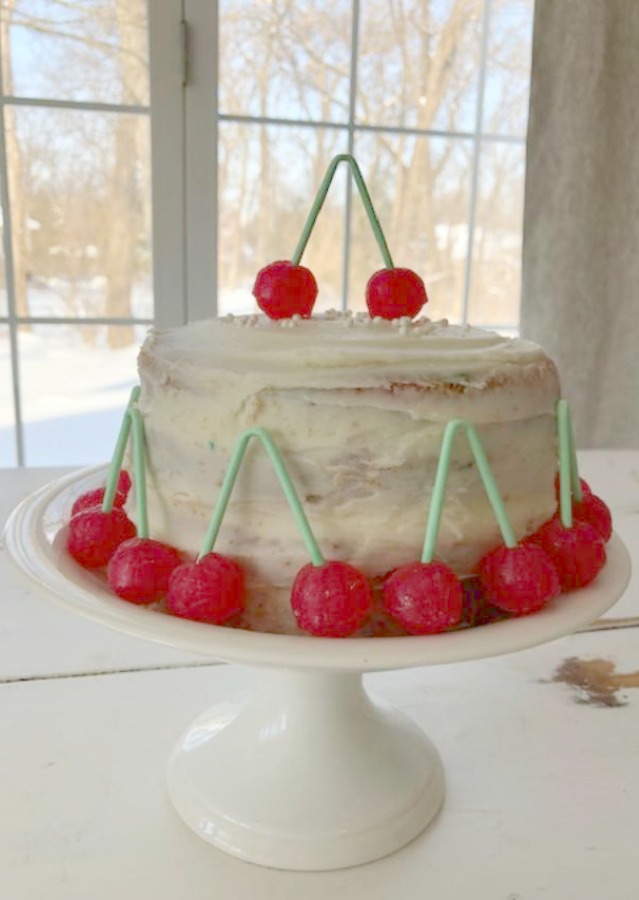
(308, 771)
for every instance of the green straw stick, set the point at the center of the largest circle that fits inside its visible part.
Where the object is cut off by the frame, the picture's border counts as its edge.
(439, 490)
(490, 486)
(287, 486)
(563, 433)
(118, 454)
(139, 473)
(441, 479)
(319, 202)
(574, 466)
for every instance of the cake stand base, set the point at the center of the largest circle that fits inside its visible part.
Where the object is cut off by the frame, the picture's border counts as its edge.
(307, 772)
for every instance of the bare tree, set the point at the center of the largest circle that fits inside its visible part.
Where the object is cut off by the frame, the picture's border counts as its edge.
(125, 206)
(15, 171)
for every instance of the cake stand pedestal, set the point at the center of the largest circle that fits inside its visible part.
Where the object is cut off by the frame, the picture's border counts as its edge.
(326, 777)
(306, 771)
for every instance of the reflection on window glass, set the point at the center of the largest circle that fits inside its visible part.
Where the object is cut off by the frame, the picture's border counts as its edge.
(420, 188)
(7, 421)
(285, 58)
(74, 388)
(419, 62)
(268, 177)
(94, 50)
(80, 192)
(496, 272)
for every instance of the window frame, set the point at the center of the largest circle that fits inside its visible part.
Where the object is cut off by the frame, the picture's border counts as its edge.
(183, 76)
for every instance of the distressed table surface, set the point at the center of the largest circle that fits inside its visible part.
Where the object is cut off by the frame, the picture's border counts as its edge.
(541, 750)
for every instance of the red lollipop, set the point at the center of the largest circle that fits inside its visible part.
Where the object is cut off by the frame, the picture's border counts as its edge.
(331, 600)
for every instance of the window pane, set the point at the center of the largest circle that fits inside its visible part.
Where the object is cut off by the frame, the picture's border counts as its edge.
(496, 276)
(95, 50)
(419, 187)
(74, 390)
(508, 67)
(285, 59)
(80, 193)
(418, 63)
(7, 419)
(268, 176)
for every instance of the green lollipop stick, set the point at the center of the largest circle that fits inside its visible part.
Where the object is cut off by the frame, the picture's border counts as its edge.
(287, 486)
(569, 485)
(319, 202)
(118, 454)
(139, 476)
(490, 486)
(441, 480)
(574, 467)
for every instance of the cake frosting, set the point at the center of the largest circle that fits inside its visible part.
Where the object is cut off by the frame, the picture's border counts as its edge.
(357, 407)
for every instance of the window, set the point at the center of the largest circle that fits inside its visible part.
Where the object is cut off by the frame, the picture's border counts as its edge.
(430, 95)
(76, 201)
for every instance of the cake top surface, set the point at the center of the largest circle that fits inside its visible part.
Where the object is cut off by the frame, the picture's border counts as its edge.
(338, 349)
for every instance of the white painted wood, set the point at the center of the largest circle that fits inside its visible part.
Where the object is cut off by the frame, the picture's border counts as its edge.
(543, 793)
(201, 150)
(167, 154)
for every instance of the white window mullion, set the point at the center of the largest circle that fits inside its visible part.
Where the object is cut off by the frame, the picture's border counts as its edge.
(201, 153)
(5, 201)
(352, 102)
(167, 152)
(91, 106)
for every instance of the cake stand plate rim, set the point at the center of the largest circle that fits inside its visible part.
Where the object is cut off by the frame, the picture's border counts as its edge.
(29, 537)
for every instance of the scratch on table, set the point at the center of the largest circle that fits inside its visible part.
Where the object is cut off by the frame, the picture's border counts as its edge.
(595, 681)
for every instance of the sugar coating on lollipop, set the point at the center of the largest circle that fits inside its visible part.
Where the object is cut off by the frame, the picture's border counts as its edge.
(393, 293)
(211, 590)
(519, 580)
(425, 598)
(124, 483)
(283, 289)
(578, 553)
(331, 600)
(94, 536)
(593, 510)
(139, 569)
(95, 498)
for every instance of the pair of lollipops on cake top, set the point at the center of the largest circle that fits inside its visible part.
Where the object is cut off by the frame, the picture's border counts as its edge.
(332, 597)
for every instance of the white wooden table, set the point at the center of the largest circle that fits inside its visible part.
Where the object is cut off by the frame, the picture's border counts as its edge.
(542, 775)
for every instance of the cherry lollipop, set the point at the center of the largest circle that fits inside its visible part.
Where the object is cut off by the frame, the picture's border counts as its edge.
(393, 293)
(139, 569)
(210, 590)
(425, 598)
(283, 289)
(333, 599)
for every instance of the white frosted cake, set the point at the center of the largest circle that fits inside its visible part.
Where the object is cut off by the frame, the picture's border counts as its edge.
(358, 408)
